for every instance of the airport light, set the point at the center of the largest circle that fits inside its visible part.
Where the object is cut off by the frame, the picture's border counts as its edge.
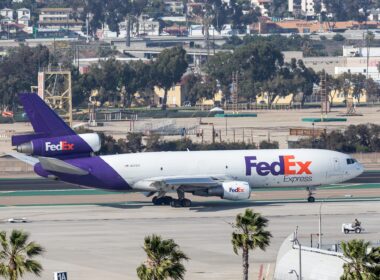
(320, 218)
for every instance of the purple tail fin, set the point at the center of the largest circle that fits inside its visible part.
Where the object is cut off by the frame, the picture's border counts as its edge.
(45, 122)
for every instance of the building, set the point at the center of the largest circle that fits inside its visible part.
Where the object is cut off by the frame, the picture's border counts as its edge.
(308, 8)
(374, 14)
(174, 99)
(174, 7)
(263, 5)
(7, 15)
(316, 263)
(60, 18)
(373, 72)
(339, 98)
(212, 102)
(23, 16)
(351, 51)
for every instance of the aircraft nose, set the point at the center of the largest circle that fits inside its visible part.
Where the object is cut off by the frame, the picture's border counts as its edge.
(360, 168)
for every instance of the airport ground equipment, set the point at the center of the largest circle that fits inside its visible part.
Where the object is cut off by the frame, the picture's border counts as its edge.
(348, 228)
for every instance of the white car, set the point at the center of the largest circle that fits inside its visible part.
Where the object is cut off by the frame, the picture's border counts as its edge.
(17, 220)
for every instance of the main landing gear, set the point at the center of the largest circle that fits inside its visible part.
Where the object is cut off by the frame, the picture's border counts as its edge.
(168, 200)
(310, 197)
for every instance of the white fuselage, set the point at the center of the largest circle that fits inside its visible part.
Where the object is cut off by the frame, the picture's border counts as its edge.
(260, 168)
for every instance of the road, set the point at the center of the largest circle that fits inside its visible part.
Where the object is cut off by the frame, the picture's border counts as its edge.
(25, 184)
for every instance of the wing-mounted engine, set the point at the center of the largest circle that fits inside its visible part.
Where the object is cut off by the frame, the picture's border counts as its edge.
(62, 146)
(230, 190)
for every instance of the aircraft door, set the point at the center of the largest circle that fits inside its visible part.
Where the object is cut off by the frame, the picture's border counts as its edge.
(336, 171)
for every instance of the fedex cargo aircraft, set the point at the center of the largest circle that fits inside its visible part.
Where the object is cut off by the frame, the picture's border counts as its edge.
(58, 153)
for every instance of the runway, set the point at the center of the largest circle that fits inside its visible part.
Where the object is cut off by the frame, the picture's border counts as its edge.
(40, 184)
(94, 234)
(105, 241)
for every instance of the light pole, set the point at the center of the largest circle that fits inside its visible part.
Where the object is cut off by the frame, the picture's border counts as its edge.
(320, 218)
(296, 241)
(295, 272)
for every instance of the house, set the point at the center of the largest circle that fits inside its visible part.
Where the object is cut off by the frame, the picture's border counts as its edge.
(263, 99)
(174, 7)
(338, 97)
(218, 96)
(57, 18)
(174, 99)
(374, 14)
(23, 16)
(6, 14)
(263, 5)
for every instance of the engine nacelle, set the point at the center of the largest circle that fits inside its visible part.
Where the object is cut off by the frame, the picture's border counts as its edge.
(62, 145)
(231, 190)
(236, 190)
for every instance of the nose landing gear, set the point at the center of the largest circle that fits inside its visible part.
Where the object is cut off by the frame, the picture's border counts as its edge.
(310, 197)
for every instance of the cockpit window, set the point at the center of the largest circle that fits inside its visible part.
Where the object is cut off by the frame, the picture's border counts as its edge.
(351, 161)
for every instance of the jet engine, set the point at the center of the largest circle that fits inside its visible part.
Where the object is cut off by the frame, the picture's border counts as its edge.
(61, 146)
(231, 190)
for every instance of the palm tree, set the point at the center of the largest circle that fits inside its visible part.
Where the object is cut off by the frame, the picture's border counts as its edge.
(249, 234)
(17, 253)
(359, 261)
(164, 260)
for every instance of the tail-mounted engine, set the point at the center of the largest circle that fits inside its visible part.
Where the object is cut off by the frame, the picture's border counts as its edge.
(61, 146)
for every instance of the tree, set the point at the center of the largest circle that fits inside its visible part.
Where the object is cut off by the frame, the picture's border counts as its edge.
(164, 260)
(249, 234)
(17, 255)
(19, 69)
(359, 263)
(197, 87)
(169, 67)
(137, 77)
(108, 77)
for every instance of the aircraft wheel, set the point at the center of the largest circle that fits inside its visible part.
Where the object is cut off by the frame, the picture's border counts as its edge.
(311, 199)
(175, 203)
(154, 200)
(167, 200)
(186, 203)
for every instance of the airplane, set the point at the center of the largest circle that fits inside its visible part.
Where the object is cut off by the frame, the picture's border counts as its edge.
(58, 153)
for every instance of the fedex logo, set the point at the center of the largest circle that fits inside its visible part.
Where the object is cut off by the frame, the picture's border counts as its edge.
(62, 146)
(286, 165)
(238, 189)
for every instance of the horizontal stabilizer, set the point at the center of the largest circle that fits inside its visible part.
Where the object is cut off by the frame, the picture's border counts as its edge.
(60, 166)
(27, 159)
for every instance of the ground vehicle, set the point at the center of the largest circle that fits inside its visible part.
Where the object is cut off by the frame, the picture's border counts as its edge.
(347, 228)
(17, 220)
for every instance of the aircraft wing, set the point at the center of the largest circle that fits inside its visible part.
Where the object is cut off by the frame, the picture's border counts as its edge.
(187, 183)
